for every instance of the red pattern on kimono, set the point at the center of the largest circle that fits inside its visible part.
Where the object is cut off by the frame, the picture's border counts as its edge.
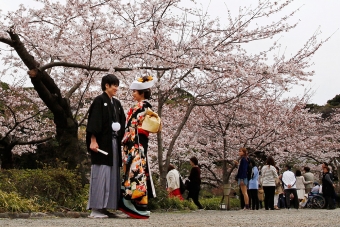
(136, 177)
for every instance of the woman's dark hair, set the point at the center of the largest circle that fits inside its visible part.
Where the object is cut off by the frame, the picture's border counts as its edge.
(194, 160)
(297, 173)
(288, 167)
(171, 167)
(109, 79)
(270, 161)
(252, 162)
(306, 169)
(277, 169)
(146, 92)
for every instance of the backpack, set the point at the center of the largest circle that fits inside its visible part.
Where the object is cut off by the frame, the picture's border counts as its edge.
(181, 185)
(250, 173)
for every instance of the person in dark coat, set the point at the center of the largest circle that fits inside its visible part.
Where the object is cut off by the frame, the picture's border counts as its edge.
(195, 182)
(104, 132)
(242, 177)
(328, 188)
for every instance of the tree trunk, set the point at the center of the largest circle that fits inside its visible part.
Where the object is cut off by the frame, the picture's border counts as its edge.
(162, 168)
(172, 144)
(49, 92)
(6, 159)
(224, 168)
(67, 137)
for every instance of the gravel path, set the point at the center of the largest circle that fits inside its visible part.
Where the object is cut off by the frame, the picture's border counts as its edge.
(303, 217)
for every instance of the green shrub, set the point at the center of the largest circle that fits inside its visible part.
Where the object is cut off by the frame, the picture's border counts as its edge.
(211, 203)
(51, 188)
(14, 203)
(214, 203)
(59, 189)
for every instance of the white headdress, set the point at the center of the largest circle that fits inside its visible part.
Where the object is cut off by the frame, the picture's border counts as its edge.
(142, 83)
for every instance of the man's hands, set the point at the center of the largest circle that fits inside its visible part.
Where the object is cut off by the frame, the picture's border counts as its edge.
(94, 145)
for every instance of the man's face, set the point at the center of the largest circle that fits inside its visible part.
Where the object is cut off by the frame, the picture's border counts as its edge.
(111, 90)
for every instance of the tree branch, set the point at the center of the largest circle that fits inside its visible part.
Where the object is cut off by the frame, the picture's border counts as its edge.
(7, 41)
(33, 141)
(117, 69)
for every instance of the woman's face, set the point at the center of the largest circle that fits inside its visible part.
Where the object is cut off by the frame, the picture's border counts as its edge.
(191, 163)
(136, 96)
(324, 170)
(241, 153)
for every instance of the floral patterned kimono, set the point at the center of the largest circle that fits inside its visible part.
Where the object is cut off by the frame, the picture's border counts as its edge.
(137, 185)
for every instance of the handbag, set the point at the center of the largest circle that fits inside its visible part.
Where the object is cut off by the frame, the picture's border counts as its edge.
(151, 122)
(181, 185)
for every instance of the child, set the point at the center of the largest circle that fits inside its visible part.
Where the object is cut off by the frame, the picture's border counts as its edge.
(260, 194)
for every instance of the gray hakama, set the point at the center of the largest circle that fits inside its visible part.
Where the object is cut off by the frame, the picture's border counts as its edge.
(105, 183)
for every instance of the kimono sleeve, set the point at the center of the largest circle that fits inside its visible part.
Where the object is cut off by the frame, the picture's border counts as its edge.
(94, 124)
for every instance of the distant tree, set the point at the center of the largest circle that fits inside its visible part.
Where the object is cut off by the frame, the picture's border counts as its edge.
(334, 101)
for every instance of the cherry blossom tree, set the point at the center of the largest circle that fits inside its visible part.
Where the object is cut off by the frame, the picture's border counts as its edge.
(23, 123)
(282, 128)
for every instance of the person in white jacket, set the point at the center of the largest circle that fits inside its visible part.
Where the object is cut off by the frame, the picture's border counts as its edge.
(173, 185)
(300, 184)
(268, 178)
(289, 182)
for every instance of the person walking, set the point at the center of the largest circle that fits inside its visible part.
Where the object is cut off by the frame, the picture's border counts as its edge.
(195, 182)
(137, 184)
(254, 186)
(289, 183)
(104, 131)
(308, 177)
(242, 175)
(173, 184)
(328, 188)
(268, 179)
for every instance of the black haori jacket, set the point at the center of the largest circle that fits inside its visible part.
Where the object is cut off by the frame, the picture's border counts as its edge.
(101, 115)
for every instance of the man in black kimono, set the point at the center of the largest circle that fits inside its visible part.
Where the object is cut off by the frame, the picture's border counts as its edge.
(105, 112)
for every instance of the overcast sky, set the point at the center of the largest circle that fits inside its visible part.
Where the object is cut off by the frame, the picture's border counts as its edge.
(313, 15)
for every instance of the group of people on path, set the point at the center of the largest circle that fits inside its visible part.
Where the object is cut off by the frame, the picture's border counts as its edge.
(114, 141)
(279, 190)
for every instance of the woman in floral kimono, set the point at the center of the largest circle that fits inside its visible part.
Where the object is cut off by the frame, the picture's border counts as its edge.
(137, 185)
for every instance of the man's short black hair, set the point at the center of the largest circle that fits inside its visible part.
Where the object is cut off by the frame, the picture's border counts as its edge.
(289, 167)
(109, 79)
